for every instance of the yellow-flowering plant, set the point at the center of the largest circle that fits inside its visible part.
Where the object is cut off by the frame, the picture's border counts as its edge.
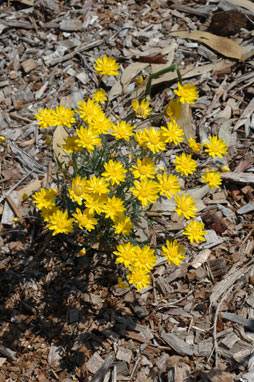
(113, 175)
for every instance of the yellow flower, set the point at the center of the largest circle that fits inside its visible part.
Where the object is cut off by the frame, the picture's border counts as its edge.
(144, 168)
(70, 145)
(46, 118)
(97, 185)
(82, 252)
(85, 219)
(216, 147)
(113, 207)
(100, 96)
(106, 66)
(139, 278)
(168, 184)
(78, 189)
(88, 110)
(122, 224)
(141, 139)
(140, 81)
(154, 140)
(100, 123)
(194, 145)
(212, 178)
(141, 109)
(95, 202)
(122, 130)
(121, 283)
(125, 254)
(185, 164)
(146, 191)
(115, 172)
(59, 223)
(145, 259)
(47, 212)
(174, 109)
(194, 231)
(187, 93)
(172, 133)
(185, 206)
(2, 138)
(64, 116)
(173, 251)
(45, 198)
(87, 138)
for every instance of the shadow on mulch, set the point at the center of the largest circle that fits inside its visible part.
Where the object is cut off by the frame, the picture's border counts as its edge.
(45, 293)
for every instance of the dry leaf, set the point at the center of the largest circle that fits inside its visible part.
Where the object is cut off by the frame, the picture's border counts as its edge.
(185, 122)
(222, 45)
(58, 140)
(30, 188)
(244, 4)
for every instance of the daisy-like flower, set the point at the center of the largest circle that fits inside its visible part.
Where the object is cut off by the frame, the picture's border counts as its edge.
(194, 231)
(185, 164)
(100, 96)
(142, 109)
(144, 168)
(46, 118)
(173, 251)
(216, 147)
(185, 206)
(122, 130)
(70, 145)
(97, 185)
(85, 219)
(106, 66)
(141, 139)
(168, 184)
(125, 254)
(212, 177)
(145, 258)
(146, 191)
(88, 138)
(78, 189)
(122, 224)
(174, 109)
(45, 198)
(113, 207)
(194, 145)
(172, 133)
(95, 202)
(115, 172)
(47, 212)
(139, 278)
(187, 93)
(88, 110)
(155, 140)
(60, 223)
(100, 123)
(64, 116)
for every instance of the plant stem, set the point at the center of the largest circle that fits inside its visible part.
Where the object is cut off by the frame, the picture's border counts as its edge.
(160, 73)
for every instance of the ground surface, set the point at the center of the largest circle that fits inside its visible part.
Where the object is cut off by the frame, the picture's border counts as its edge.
(62, 317)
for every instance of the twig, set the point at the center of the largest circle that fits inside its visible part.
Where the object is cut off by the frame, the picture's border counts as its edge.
(103, 370)
(4, 196)
(215, 348)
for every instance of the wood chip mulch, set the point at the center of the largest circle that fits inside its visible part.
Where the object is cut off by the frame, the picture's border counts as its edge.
(62, 318)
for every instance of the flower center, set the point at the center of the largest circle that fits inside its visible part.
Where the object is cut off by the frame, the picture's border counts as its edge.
(154, 140)
(143, 170)
(78, 190)
(140, 111)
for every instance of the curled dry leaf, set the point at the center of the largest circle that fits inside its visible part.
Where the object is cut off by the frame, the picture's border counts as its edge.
(222, 45)
(58, 140)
